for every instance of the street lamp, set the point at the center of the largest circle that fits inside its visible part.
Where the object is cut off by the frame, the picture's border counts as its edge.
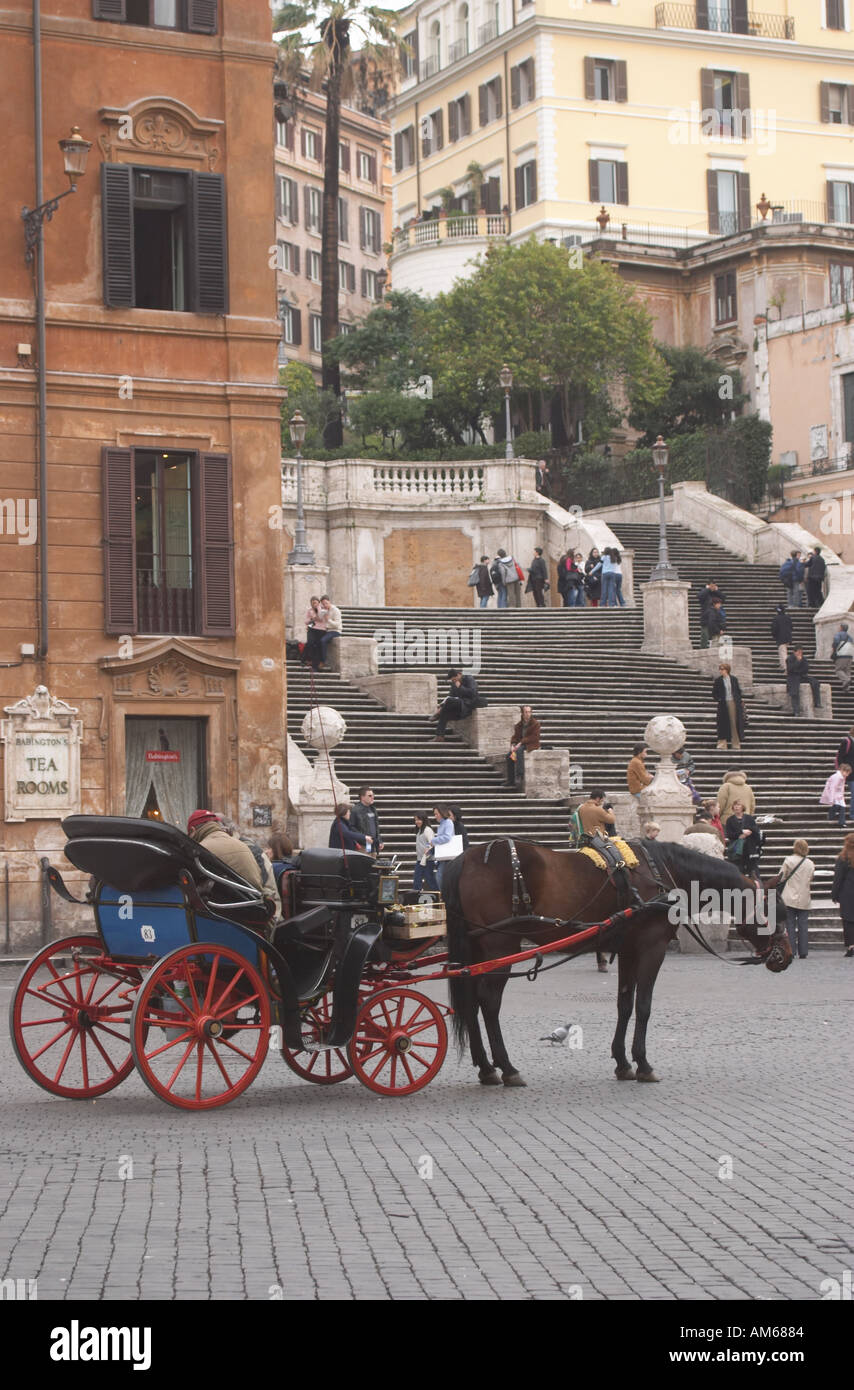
(664, 569)
(505, 376)
(75, 152)
(301, 553)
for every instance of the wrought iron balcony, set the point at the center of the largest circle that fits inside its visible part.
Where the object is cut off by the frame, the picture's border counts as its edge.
(458, 50)
(487, 32)
(723, 19)
(429, 66)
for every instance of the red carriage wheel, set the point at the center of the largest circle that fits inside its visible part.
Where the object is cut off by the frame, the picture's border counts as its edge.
(206, 1013)
(70, 1018)
(325, 1065)
(399, 1042)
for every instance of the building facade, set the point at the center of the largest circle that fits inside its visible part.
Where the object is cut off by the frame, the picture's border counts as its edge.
(673, 119)
(364, 221)
(155, 682)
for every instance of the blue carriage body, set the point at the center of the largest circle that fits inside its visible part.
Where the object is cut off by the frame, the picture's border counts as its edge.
(155, 921)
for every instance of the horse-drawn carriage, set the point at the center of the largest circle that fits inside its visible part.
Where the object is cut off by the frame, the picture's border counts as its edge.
(192, 980)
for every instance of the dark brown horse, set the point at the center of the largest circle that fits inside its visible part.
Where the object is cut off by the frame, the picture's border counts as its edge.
(478, 889)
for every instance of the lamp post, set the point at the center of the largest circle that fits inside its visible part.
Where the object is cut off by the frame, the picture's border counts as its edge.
(664, 569)
(75, 152)
(505, 376)
(301, 553)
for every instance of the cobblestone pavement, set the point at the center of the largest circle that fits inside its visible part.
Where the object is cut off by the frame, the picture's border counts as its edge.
(578, 1186)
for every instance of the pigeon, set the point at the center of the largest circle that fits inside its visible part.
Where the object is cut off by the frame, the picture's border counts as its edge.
(559, 1035)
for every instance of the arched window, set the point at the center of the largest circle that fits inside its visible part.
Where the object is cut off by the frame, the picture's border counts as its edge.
(436, 44)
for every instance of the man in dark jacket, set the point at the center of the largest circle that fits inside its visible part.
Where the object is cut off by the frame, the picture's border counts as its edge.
(484, 583)
(525, 739)
(537, 577)
(463, 697)
(798, 673)
(791, 576)
(363, 819)
(705, 597)
(815, 572)
(781, 631)
(715, 619)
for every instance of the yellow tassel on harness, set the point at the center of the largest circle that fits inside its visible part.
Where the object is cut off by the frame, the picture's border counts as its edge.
(629, 858)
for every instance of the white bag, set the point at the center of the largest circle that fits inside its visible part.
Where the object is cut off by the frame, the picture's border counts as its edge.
(452, 849)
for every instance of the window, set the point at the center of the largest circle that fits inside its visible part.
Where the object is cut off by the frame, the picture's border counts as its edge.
(190, 16)
(345, 328)
(434, 49)
(288, 257)
(312, 266)
(404, 148)
(724, 16)
(725, 99)
(609, 181)
(315, 330)
(164, 240)
(460, 47)
(729, 201)
(343, 222)
(605, 80)
(370, 284)
(490, 195)
(725, 300)
(285, 134)
(291, 321)
(366, 166)
(459, 118)
(431, 133)
(288, 200)
(834, 14)
(837, 106)
(370, 230)
(346, 277)
(311, 144)
(344, 156)
(526, 184)
(841, 282)
(168, 543)
(313, 209)
(409, 53)
(489, 101)
(522, 83)
(840, 206)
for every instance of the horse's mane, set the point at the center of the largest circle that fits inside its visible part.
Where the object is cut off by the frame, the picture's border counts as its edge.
(692, 863)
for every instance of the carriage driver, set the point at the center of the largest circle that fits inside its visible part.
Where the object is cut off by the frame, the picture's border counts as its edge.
(207, 828)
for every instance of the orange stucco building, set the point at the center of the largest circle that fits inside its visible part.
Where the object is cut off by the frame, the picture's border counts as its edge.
(163, 601)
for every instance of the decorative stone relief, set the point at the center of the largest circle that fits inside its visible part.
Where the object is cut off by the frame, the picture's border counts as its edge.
(159, 126)
(169, 678)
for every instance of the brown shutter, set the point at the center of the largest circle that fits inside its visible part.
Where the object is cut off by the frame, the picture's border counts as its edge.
(532, 79)
(295, 258)
(453, 122)
(829, 195)
(515, 84)
(306, 203)
(201, 16)
(622, 183)
(319, 145)
(621, 81)
(848, 113)
(110, 9)
(593, 174)
(739, 17)
(499, 109)
(465, 117)
(824, 102)
(707, 91)
(362, 220)
(211, 257)
(742, 102)
(289, 136)
(343, 221)
(533, 181)
(743, 181)
(398, 152)
(117, 235)
(438, 128)
(345, 158)
(296, 327)
(589, 79)
(519, 181)
(702, 14)
(426, 128)
(712, 200)
(119, 556)
(216, 546)
(302, 143)
(372, 168)
(293, 202)
(482, 104)
(364, 283)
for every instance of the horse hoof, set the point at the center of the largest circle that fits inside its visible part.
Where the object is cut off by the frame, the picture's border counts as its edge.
(489, 1078)
(625, 1073)
(646, 1076)
(513, 1080)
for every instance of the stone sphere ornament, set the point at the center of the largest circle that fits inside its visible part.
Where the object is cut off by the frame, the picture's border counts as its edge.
(323, 727)
(665, 735)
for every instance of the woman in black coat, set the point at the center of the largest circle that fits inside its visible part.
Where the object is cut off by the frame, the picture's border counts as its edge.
(842, 892)
(593, 577)
(741, 826)
(731, 720)
(340, 834)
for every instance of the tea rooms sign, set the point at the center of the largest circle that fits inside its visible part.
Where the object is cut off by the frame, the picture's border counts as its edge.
(41, 741)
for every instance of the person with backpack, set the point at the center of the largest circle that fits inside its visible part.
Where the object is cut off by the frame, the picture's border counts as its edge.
(496, 574)
(815, 572)
(791, 576)
(538, 578)
(511, 578)
(842, 650)
(781, 631)
(482, 581)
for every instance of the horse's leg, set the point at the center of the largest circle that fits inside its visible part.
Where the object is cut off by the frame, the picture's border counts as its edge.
(649, 964)
(486, 1072)
(627, 967)
(491, 989)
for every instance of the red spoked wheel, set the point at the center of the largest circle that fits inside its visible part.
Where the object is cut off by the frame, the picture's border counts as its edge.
(206, 1013)
(323, 1066)
(70, 1018)
(399, 1042)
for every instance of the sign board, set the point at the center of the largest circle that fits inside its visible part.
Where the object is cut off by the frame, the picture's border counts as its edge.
(262, 815)
(159, 755)
(42, 758)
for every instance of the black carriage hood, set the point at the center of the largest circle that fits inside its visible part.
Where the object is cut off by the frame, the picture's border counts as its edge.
(132, 853)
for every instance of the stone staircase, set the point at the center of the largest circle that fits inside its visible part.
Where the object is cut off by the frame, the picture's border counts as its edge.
(594, 692)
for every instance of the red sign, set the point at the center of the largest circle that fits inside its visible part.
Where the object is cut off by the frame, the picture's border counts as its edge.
(157, 755)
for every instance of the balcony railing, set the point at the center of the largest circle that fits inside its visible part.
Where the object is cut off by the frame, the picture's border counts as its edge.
(440, 229)
(458, 50)
(429, 66)
(487, 32)
(162, 608)
(722, 19)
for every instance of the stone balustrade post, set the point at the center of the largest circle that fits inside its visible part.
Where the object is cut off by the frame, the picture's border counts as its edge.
(665, 618)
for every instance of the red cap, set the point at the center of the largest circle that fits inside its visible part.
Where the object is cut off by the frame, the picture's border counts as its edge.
(201, 818)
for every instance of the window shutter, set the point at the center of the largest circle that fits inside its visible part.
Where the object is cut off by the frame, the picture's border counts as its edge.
(830, 208)
(289, 136)
(438, 129)
(295, 258)
(483, 104)
(589, 80)
(343, 221)
(743, 202)
(296, 327)
(345, 158)
(532, 79)
(398, 152)
(593, 171)
(824, 102)
(216, 546)
(707, 91)
(116, 10)
(515, 96)
(848, 113)
(702, 14)
(499, 109)
(519, 182)
(117, 235)
(533, 168)
(306, 201)
(201, 16)
(302, 143)
(622, 183)
(280, 199)
(372, 168)
(364, 283)
(426, 124)
(319, 147)
(621, 81)
(119, 556)
(210, 243)
(742, 101)
(362, 229)
(739, 17)
(453, 122)
(712, 200)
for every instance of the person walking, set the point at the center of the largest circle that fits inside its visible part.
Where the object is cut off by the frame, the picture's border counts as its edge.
(794, 882)
(538, 577)
(842, 650)
(524, 739)
(704, 598)
(463, 697)
(484, 583)
(511, 578)
(341, 833)
(833, 794)
(496, 574)
(842, 892)
(735, 788)
(781, 631)
(593, 577)
(424, 873)
(798, 674)
(637, 775)
(364, 820)
(815, 571)
(730, 719)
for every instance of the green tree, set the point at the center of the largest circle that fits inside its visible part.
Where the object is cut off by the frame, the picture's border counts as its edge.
(317, 407)
(389, 349)
(701, 393)
(319, 39)
(389, 414)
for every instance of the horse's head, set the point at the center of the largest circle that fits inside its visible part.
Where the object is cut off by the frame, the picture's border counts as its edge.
(767, 933)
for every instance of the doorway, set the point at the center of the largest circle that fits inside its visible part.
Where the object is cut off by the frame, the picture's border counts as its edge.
(165, 768)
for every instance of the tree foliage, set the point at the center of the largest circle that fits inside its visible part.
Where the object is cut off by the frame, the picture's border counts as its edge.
(700, 394)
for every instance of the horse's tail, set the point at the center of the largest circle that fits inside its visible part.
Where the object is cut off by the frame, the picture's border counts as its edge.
(461, 990)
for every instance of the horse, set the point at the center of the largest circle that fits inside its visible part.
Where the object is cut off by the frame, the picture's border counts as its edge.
(484, 887)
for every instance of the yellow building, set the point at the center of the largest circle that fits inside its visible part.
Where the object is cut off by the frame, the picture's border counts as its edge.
(670, 122)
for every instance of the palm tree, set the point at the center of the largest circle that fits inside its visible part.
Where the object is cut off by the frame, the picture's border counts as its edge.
(319, 40)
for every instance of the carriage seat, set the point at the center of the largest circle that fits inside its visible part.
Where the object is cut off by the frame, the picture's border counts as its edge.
(335, 875)
(132, 854)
